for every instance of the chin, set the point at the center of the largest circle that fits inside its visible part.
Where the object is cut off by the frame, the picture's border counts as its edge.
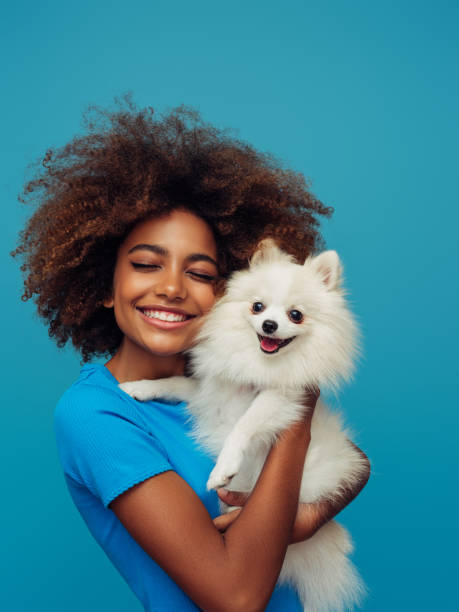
(167, 349)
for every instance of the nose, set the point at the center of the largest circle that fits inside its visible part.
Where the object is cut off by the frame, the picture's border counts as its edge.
(269, 326)
(170, 285)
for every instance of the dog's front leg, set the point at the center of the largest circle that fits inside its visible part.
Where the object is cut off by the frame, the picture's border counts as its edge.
(174, 387)
(269, 414)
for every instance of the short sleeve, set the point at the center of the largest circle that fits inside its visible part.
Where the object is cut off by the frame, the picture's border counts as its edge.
(103, 444)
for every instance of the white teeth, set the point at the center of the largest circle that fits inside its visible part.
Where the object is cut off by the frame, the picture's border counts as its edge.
(163, 315)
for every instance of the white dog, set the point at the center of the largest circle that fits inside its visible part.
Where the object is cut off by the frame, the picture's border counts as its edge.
(281, 327)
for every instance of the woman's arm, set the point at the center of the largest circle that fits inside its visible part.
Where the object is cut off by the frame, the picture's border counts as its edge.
(310, 517)
(236, 570)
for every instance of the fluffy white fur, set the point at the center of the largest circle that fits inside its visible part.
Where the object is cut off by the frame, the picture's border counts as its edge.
(242, 398)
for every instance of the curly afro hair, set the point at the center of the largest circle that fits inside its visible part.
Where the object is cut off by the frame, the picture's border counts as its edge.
(131, 165)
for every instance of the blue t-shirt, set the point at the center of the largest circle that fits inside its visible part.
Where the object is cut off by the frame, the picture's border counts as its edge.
(107, 443)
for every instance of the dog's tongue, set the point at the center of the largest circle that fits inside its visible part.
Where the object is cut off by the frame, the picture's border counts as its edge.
(269, 344)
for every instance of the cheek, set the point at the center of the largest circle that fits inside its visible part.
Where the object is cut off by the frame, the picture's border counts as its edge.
(129, 287)
(206, 298)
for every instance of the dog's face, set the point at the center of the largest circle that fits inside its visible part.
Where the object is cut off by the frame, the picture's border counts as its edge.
(282, 304)
(285, 299)
(277, 310)
(283, 319)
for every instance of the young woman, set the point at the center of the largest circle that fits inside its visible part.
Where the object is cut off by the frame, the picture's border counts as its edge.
(138, 223)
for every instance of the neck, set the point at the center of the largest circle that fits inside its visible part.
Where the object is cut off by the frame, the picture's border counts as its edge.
(131, 362)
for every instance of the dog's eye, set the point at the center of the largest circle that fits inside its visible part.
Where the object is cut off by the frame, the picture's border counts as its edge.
(258, 307)
(295, 315)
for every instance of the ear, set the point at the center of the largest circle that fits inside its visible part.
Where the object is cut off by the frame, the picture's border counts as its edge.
(108, 303)
(267, 251)
(328, 266)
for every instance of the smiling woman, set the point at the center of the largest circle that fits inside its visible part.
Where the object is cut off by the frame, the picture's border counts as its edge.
(138, 223)
(163, 285)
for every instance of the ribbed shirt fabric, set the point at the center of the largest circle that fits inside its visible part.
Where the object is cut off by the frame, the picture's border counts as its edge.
(107, 443)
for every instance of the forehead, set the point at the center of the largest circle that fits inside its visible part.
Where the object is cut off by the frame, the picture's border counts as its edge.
(281, 282)
(274, 284)
(180, 232)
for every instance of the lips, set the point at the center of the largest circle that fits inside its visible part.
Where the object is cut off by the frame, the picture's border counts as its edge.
(165, 317)
(158, 311)
(273, 345)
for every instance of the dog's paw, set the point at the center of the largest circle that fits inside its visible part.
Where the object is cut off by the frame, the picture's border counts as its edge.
(226, 468)
(216, 481)
(142, 390)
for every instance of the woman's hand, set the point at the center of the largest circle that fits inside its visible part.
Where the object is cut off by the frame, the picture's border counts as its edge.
(310, 517)
(307, 520)
(238, 498)
(305, 525)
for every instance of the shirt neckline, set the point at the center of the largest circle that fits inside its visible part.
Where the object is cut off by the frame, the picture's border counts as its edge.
(103, 369)
(109, 376)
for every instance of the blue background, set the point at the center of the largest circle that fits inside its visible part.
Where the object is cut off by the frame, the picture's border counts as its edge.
(362, 98)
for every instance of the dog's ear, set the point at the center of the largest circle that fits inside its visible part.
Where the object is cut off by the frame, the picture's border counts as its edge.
(328, 266)
(267, 251)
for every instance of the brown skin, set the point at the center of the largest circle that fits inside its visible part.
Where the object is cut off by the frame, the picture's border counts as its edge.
(163, 513)
(183, 278)
(309, 518)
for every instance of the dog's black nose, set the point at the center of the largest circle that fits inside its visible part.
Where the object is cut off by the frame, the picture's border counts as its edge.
(269, 326)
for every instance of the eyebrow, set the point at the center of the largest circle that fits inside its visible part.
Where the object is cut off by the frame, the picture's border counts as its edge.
(159, 250)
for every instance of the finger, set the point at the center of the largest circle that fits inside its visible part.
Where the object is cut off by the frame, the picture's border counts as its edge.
(223, 521)
(232, 498)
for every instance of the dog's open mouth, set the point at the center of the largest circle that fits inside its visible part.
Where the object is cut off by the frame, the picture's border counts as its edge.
(272, 345)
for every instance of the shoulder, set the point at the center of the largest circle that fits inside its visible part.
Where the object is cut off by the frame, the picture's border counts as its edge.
(102, 437)
(92, 397)
(92, 385)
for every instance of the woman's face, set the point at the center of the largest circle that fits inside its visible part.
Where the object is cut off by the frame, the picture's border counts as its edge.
(163, 284)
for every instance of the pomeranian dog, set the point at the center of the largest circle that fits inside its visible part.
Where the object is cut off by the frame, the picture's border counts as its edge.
(280, 328)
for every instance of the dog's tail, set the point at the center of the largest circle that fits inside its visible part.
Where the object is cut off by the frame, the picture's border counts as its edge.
(321, 571)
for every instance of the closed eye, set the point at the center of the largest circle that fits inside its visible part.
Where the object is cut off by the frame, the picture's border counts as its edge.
(208, 278)
(143, 266)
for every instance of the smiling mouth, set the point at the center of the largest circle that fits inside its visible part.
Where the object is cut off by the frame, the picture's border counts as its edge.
(273, 345)
(165, 315)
